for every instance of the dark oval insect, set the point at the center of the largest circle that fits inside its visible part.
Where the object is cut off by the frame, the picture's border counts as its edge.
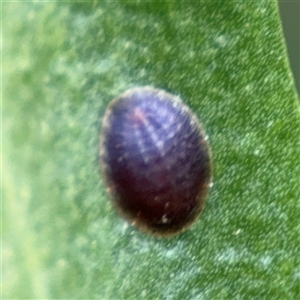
(155, 159)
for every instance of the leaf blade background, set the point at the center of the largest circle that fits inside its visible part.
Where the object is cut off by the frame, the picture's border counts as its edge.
(228, 62)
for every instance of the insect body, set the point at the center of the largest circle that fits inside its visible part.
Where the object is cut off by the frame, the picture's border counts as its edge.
(155, 159)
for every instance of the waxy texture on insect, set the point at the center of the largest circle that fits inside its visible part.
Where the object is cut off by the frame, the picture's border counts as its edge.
(155, 159)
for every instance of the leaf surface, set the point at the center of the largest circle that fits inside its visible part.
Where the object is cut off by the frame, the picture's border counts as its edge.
(62, 64)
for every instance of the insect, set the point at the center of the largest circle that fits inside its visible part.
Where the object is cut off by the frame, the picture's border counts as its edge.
(155, 159)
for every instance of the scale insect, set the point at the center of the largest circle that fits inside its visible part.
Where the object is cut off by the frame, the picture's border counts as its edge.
(155, 160)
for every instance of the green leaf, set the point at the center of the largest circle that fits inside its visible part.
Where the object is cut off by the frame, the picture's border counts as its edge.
(62, 64)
